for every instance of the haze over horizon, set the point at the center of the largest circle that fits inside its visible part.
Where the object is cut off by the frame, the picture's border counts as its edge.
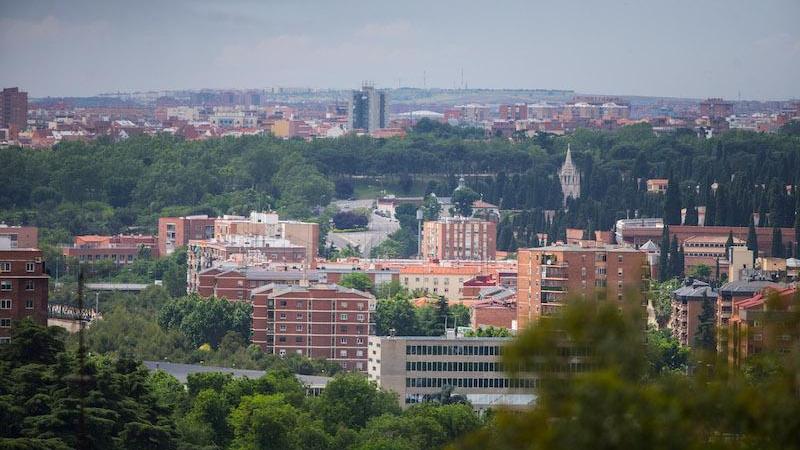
(673, 49)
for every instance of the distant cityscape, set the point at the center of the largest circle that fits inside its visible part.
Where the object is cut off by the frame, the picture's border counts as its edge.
(323, 114)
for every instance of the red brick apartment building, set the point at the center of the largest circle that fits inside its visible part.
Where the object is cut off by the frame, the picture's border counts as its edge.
(23, 287)
(548, 275)
(20, 236)
(13, 109)
(319, 321)
(174, 232)
(121, 249)
(459, 238)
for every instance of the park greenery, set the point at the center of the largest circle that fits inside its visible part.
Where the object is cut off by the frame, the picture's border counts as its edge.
(78, 188)
(50, 400)
(620, 397)
(395, 314)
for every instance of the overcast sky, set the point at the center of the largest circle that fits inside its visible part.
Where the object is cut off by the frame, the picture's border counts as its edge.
(683, 48)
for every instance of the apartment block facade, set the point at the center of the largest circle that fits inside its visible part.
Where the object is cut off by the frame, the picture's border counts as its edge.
(20, 236)
(174, 232)
(23, 288)
(317, 321)
(459, 238)
(548, 275)
(120, 249)
(13, 109)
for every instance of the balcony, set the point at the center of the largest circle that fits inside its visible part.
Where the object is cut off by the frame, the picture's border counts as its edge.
(554, 272)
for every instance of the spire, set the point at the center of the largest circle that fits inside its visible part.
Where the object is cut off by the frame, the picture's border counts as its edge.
(568, 159)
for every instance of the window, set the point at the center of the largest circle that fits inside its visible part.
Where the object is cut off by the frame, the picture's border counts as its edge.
(29, 303)
(282, 352)
(298, 328)
(30, 267)
(282, 328)
(360, 317)
(5, 323)
(343, 340)
(4, 340)
(5, 266)
(29, 285)
(343, 353)
(5, 285)
(283, 303)
(5, 304)
(299, 316)
(298, 339)
(283, 316)
(343, 305)
(359, 340)
(343, 316)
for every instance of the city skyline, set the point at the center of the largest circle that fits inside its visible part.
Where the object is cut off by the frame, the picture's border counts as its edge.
(681, 49)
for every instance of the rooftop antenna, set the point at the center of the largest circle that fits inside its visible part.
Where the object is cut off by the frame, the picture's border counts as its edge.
(462, 78)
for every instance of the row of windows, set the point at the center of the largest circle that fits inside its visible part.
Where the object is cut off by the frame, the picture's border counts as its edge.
(501, 383)
(299, 316)
(342, 341)
(102, 257)
(6, 285)
(5, 266)
(342, 354)
(7, 303)
(453, 366)
(475, 350)
(301, 304)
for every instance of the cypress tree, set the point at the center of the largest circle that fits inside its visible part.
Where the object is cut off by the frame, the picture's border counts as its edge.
(797, 234)
(676, 267)
(706, 333)
(752, 239)
(663, 257)
(721, 207)
(777, 242)
(691, 211)
(728, 244)
(672, 203)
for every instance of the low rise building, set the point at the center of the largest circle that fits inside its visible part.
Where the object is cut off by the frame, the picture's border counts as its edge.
(120, 249)
(496, 307)
(317, 321)
(417, 368)
(23, 287)
(174, 232)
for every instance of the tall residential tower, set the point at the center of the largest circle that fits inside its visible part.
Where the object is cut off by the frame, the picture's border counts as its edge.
(367, 109)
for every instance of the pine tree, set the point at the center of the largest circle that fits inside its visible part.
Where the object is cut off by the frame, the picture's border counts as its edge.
(777, 242)
(672, 203)
(691, 211)
(663, 258)
(752, 239)
(706, 329)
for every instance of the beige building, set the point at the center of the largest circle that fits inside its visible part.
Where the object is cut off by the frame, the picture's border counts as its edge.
(459, 238)
(438, 280)
(414, 368)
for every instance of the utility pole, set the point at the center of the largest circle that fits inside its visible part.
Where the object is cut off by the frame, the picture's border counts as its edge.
(419, 233)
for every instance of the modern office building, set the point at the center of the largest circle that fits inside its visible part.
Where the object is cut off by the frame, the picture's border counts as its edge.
(367, 109)
(317, 321)
(415, 368)
(23, 287)
(459, 238)
(547, 276)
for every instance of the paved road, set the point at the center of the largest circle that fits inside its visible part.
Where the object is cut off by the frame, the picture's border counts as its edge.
(379, 228)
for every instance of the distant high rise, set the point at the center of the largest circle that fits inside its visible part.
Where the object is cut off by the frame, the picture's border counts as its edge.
(367, 109)
(13, 109)
(570, 178)
(716, 108)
